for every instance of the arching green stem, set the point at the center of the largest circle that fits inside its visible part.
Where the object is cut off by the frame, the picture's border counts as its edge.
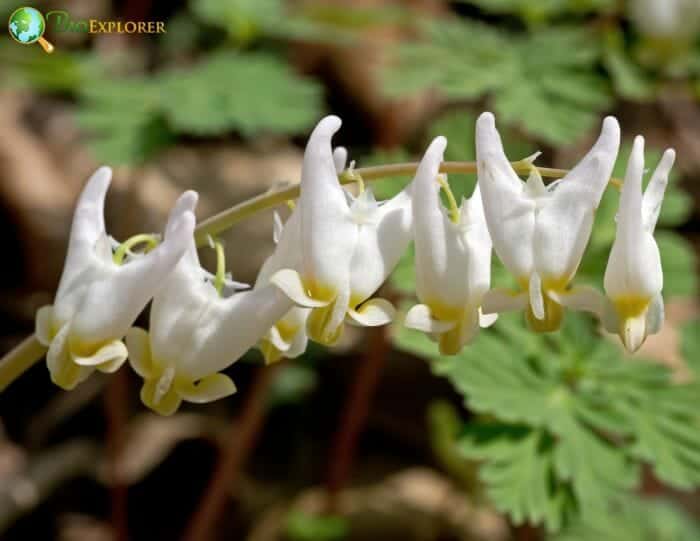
(229, 217)
(220, 275)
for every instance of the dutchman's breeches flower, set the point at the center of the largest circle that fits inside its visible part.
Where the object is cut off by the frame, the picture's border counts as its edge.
(633, 277)
(100, 296)
(540, 232)
(195, 332)
(453, 259)
(349, 245)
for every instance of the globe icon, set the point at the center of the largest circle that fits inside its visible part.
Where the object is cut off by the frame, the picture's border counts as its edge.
(27, 26)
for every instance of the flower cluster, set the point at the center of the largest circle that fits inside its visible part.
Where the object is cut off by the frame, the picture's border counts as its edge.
(335, 251)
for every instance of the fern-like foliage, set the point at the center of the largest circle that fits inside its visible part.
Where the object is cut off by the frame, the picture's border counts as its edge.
(129, 119)
(545, 82)
(638, 519)
(565, 422)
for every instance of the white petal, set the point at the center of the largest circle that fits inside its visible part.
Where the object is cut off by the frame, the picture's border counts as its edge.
(287, 254)
(88, 220)
(113, 304)
(207, 389)
(634, 265)
(591, 175)
(536, 298)
(113, 352)
(340, 158)
(655, 315)
(277, 227)
(276, 339)
(298, 345)
(419, 317)
(510, 214)
(429, 223)
(373, 313)
(291, 284)
(581, 298)
(500, 300)
(486, 320)
(633, 332)
(44, 317)
(139, 345)
(654, 194)
(237, 324)
(64, 372)
(327, 232)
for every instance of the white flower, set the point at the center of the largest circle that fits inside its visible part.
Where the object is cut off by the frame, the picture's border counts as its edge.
(453, 260)
(98, 298)
(540, 232)
(288, 337)
(666, 19)
(633, 277)
(348, 246)
(195, 333)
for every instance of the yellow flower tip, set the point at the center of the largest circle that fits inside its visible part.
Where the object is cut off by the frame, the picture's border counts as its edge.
(450, 342)
(553, 317)
(632, 314)
(318, 326)
(269, 352)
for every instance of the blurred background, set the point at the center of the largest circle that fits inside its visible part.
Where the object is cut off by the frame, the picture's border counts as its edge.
(522, 436)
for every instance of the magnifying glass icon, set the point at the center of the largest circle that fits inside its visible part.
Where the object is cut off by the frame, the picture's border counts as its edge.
(27, 26)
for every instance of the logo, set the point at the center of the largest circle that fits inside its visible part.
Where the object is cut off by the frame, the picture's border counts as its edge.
(27, 26)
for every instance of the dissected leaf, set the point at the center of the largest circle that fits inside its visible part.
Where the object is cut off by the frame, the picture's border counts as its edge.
(130, 119)
(573, 419)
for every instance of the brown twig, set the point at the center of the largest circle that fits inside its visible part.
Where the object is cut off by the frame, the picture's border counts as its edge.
(354, 415)
(243, 435)
(116, 412)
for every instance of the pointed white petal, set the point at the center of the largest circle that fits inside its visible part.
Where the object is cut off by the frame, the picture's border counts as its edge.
(44, 317)
(419, 317)
(500, 300)
(328, 235)
(113, 352)
(291, 284)
(634, 265)
(510, 214)
(373, 313)
(536, 298)
(654, 194)
(591, 175)
(429, 223)
(581, 298)
(139, 346)
(207, 389)
(88, 220)
(287, 254)
(340, 159)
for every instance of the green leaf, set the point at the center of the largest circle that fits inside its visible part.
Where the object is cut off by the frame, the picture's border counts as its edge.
(130, 119)
(628, 78)
(634, 518)
(573, 421)
(306, 527)
(247, 93)
(691, 346)
(543, 10)
(463, 59)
